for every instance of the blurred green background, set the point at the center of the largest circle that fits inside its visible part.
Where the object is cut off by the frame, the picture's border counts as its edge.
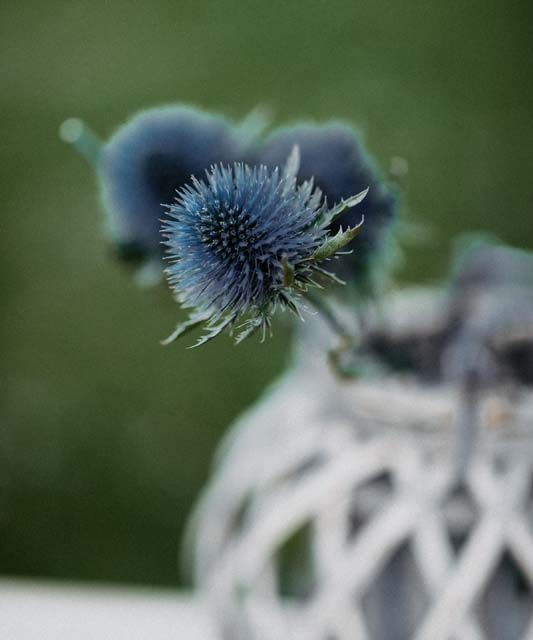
(105, 436)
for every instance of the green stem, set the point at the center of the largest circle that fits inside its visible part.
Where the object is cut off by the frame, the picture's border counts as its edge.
(325, 310)
(76, 133)
(346, 344)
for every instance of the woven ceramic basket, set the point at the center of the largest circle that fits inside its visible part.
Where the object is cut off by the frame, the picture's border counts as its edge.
(335, 512)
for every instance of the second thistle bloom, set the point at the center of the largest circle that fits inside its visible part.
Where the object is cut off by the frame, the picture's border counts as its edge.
(333, 154)
(246, 241)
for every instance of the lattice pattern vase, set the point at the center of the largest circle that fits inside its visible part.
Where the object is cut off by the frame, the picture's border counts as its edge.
(335, 512)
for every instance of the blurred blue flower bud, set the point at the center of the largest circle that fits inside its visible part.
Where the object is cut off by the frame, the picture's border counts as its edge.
(246, 241)
(145, 162)
(149, 158)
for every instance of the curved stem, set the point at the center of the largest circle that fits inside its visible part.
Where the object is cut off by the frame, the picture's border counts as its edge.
(324, 308)
(346, 338)
(76, 133)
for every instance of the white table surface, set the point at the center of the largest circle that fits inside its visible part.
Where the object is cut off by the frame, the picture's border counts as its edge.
(32, 610)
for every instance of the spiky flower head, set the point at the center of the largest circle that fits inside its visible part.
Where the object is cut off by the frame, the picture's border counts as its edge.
(334, 156)
(246, 241)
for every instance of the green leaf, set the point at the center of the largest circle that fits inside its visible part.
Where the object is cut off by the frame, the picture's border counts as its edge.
(213, 331)
(288, 273)
(255, 124)
(250, 327)
(292, 166)
(335, 243)
(185, 327)
(326, 217)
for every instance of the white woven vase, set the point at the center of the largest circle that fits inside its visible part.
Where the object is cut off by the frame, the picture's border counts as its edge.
(334, 513)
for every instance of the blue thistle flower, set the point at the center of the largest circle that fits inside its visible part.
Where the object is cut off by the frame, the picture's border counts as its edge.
(246, 241)
(334, 157)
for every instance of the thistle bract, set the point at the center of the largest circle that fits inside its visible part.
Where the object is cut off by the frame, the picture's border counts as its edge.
(246, 241)
(333, 155)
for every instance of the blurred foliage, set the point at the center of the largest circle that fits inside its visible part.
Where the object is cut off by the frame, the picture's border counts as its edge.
(105, 436)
